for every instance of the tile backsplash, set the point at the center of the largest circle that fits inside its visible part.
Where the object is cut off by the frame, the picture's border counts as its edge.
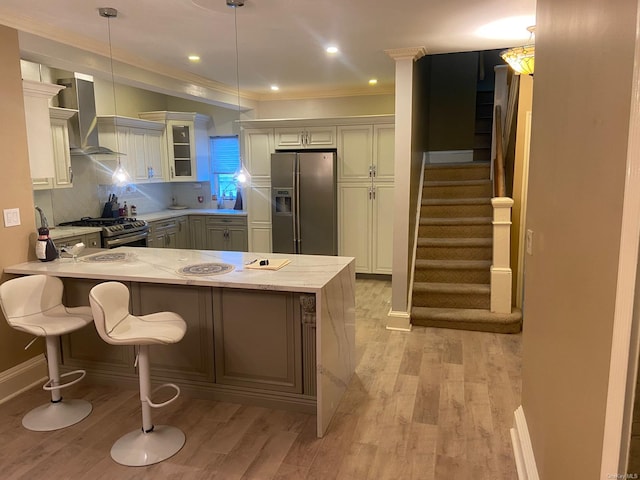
(86, 198)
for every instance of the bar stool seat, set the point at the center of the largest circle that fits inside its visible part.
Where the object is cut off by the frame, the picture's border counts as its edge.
(115, 325)
(33, 304)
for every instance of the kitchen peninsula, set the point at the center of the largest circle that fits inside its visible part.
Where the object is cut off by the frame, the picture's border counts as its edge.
(283, 338)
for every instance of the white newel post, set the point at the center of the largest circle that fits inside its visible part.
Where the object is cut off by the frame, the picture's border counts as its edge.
(501, 269)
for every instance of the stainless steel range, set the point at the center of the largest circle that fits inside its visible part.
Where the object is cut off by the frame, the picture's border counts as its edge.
(118, 231)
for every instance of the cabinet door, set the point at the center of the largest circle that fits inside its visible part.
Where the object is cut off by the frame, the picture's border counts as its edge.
(182, 238)
(237, 239)
(258, 147)
(171, 238)
(258, 339)
(289, 137)
(181, 150)
(61, 155)
(192, 357)
(136, 155)
(384, 151)
(259, 216)
(382, 234)
(84, 348)
(354, 217)
(217, 238)
(154, 157)
(93, 240)
(355, 152)
(197, 232)
(69, 241)
(320, 137)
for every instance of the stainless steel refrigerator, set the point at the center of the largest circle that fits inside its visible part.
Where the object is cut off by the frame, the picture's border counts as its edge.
(304, 203)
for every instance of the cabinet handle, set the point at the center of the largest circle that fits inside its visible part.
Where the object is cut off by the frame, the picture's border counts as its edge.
(70, 175)
(370, 171)
(374, 171)
(373, 190)
(369, 193)
(171, 172)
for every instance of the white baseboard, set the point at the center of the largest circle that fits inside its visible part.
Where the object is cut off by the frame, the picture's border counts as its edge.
(522, 448)
(22, 377)
(398, 321)
(449, 156)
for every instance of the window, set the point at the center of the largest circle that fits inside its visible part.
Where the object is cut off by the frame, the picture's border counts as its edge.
(225, 162)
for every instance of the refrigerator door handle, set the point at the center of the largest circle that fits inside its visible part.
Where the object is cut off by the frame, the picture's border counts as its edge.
(296, 187)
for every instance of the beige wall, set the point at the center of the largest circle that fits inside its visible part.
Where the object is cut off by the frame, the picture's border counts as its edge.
(16, 242)
(327, 107)
(581, 107)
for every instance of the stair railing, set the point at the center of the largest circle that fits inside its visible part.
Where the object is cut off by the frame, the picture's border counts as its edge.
(498, 178)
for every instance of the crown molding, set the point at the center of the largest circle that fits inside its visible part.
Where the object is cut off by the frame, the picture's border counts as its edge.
(407, 53)
(333, 93)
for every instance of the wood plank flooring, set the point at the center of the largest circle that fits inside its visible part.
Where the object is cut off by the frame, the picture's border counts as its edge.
(430, 404)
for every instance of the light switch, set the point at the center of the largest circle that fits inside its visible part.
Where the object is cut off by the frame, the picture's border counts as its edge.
(529, 242)
(11, 217)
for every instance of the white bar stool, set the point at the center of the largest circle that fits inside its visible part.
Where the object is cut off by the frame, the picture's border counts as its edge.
(33, 304)
(115, 325)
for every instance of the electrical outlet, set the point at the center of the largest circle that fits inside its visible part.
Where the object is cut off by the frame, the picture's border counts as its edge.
(529, 242)
(11, 217)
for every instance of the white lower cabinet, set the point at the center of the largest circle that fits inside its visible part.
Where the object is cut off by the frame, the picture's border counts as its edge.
(365, 225)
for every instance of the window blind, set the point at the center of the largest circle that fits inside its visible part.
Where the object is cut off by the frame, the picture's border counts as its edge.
(225, 154)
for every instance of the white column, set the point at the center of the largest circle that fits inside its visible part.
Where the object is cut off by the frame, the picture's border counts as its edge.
(399, 316)
(501, 270)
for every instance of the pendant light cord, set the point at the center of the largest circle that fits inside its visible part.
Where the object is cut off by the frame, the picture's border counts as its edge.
(113, 85)
(235, 20)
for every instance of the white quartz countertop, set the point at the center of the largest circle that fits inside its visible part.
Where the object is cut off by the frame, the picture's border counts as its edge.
(305, 273)
(62, 232)
(166, 214)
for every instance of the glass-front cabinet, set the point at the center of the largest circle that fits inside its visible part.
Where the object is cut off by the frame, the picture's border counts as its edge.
(187, 144)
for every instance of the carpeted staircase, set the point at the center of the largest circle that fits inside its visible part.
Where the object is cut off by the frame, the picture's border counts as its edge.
(454, 252)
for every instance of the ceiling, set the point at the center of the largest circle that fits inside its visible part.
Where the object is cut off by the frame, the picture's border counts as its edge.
(278, 41)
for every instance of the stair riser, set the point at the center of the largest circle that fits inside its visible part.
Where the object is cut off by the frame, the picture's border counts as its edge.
(458, 275)
(458, 191)
(456, 231)
(451, 300)
(421, 321)
(455, 253)
(457, 211)
(446, 174)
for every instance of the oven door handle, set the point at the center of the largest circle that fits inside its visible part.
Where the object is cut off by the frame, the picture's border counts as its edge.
(124, 239)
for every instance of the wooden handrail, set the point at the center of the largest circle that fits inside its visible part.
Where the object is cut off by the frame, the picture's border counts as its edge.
(498, 166)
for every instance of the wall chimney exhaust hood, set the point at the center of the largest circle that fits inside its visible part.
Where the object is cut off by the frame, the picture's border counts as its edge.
(79, 95)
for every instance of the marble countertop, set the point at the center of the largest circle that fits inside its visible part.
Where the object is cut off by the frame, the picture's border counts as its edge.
(305, 273)
(62, 232)
(166, 214)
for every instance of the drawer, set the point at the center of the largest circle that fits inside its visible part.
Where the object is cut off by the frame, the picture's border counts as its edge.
(227, 221)
(68, 241)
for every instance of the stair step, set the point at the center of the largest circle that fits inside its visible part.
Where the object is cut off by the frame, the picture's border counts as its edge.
(451, 295)
(452, 271)
(456, 207)
(454, 248)
(456, 201)
(457, 171)
(456, 227)
(457, 189)
(467, 319)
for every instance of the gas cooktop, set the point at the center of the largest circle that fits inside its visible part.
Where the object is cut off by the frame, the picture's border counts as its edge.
(99, 221)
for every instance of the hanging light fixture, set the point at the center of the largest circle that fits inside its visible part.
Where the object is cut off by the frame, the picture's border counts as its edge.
(521, 59)
(240, 176)
(120, 175)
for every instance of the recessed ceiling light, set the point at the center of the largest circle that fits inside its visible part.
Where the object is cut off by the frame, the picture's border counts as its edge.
(373, 81)
(194, 58)
(275, 88)
(332, 49)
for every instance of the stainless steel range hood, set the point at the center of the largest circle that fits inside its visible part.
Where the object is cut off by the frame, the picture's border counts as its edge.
(79, 95)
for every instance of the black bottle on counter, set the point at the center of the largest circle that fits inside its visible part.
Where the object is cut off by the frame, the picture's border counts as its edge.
(45, 248)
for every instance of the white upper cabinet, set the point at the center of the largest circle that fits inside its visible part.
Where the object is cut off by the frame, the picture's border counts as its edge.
(36, 96)
(186, 141)
(294, 138)
(366, 152)
(140, 142)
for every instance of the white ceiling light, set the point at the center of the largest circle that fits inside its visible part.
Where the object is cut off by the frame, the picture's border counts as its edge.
(373, 81)
(332, 50)
(194, 58)
(275, 88)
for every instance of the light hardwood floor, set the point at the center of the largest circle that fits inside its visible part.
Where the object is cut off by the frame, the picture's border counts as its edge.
(430, 404)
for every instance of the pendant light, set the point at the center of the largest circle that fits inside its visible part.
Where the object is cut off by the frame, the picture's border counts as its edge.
(240, 176)
(120, 175)
(522, 59)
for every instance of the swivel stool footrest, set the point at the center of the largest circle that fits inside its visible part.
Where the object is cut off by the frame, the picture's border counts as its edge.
(152, 443)
(58, 413)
